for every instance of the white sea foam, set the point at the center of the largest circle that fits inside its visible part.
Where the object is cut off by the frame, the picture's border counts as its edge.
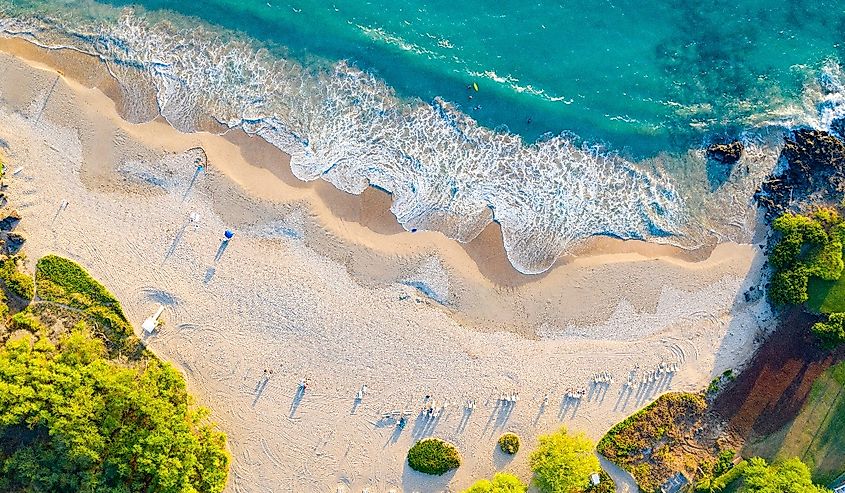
(445, 172)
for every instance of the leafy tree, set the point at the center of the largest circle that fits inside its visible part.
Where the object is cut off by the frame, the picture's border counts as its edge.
(827, 261)
(562, 462)
(809, 246)
(72, 420)
(832, 332)
(790, 476)
(502, 482)
(789, 287)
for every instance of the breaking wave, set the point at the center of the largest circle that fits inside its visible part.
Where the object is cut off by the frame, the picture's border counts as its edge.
(444, 171)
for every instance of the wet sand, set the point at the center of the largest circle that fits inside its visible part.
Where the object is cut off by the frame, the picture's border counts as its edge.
(324, 284)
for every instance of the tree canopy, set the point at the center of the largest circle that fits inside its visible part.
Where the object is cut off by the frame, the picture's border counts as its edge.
(502, 482)
(832, 331)
(563, 462)
(809, 246)
(789, 476)
(72, 420)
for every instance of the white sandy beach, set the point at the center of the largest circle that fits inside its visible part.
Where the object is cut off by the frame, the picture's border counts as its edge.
(320, 284)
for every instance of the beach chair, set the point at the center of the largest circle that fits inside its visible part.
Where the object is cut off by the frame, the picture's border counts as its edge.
(151, 323)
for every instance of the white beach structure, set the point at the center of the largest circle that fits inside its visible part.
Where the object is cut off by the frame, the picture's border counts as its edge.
(151, 323)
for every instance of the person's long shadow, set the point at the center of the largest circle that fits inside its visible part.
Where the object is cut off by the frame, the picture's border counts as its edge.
(222, 248)
(420, 424)
(492, 417)
(355, 403)
(565, 404)
(594, 388)
(259, 389)
(191, 185)
(176, 241)
(504, 415)
(540, 412)
(297, 399)
(464, 420)
(625, 392)
(394, 437)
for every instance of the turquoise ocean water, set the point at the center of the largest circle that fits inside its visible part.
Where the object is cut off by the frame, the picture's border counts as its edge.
(588, 119)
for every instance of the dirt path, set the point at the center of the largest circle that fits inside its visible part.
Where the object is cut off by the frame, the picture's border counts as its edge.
(624, 481)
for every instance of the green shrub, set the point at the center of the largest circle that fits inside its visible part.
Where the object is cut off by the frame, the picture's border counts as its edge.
(714, 386)
(25, 321)
(63, 281)
(789, 287)
(18, 283)
(724, 462)
(726, 479)
(563, 463)
(827, 261)
(509, 443)
(606, 484)
(832, 332)
(433, 456)
(785, 253)
(21, 285)
(789, 476)
(502, 482)
(68, 283)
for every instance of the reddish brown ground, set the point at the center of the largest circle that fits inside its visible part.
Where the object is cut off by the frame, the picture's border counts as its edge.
(771, 391)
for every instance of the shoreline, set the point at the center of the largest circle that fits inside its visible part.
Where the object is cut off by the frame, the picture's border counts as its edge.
(375, 203)
(360, 232)
(326, 284)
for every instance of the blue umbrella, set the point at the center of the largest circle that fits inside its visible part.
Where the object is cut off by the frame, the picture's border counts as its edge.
(228, 234)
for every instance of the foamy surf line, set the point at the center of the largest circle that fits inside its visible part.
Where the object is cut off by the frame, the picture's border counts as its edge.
(445, 172)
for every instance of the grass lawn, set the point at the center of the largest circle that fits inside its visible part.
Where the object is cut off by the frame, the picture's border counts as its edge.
(816, 434)
(826, 296)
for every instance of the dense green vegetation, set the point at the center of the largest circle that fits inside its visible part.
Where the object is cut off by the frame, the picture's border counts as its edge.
(16, 281)
(433, 456)
(816, 435)
(75, 416)
(509, 443)
(808, 264)
(789, 476)
(62, 281)
(723, 481)
(502, 482)
(72, 420)
(563, 463)
(831, 332)
(809, 246)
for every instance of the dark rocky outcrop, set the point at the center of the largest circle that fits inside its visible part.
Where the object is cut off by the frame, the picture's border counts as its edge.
(721, 158)
(814, 173)
(9, 222)
(838, 127)
(14, 242)
(725, 153)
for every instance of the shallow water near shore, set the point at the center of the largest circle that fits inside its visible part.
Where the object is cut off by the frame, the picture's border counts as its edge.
(362, 94)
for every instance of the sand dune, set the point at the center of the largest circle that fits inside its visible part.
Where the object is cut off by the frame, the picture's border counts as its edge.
(325, 285)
